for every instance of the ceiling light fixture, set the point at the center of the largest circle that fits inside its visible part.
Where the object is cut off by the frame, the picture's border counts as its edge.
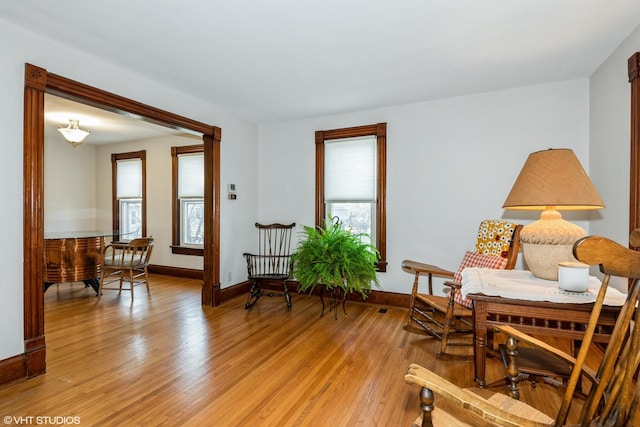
(72, 133)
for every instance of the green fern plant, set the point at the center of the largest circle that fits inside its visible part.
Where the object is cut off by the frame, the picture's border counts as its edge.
(334, 257)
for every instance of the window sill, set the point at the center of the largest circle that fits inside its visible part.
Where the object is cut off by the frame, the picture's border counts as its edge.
(183, 250)
(381, 266)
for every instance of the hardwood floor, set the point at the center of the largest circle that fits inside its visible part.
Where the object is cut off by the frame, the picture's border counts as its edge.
(163, 359)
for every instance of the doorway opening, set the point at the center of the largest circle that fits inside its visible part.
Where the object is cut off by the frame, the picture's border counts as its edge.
(39, 81)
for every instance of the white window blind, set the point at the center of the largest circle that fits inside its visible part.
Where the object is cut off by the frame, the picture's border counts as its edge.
(129, 179)
(350, 169)
(191, 175)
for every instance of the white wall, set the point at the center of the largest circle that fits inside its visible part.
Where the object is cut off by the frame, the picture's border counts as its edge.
(610, 130)
(610, 95)
(69, 186)
(451, 164)
(238, 138)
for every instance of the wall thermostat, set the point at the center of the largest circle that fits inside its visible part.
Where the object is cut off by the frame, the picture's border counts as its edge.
(231, 190)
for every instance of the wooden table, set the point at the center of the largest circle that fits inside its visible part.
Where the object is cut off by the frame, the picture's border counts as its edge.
(535, 318)
(557, 319)
(74, 257)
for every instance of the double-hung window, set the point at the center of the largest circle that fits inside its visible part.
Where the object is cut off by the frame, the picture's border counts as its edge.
(188, 199)
(129, 201)
(351, 181)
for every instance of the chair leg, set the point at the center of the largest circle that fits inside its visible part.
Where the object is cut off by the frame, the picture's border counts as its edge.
(257, 291)
(445, 337)
(513, 374)
(287, 295)
(254, 295)
(448, 318)
(412, 301)
(146, 277)
(407, 325)
(131, 282)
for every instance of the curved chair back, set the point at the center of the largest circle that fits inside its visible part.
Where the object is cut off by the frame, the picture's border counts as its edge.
(610, 400)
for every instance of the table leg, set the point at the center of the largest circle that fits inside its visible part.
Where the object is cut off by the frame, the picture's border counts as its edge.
(94, 283)
(480, 341)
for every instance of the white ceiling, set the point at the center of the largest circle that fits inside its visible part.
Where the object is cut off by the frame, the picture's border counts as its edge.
(274, 60)
(105, 127)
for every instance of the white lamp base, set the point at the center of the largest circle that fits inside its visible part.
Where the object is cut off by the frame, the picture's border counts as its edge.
(547, 242)
(543, 260)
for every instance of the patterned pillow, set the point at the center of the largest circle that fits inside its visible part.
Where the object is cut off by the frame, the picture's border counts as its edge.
(473, 259)
(494, 237)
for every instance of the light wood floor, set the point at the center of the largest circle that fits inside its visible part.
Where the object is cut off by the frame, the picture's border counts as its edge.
(166, 360)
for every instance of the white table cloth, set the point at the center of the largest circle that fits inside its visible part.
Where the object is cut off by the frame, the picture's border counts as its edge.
(523, 285)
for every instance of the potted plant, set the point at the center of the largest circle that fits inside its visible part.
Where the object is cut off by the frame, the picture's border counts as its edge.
(337, 260)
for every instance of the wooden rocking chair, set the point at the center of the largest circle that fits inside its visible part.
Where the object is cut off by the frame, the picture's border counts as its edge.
(271, 263)
(614, 395)
(444, 316)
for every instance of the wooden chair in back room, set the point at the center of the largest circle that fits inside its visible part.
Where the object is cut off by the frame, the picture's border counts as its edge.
(122, 261)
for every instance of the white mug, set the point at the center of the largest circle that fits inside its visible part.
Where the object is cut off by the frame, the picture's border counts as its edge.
(573, 276)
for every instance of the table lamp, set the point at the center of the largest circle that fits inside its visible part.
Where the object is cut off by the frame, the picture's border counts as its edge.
(550, 181)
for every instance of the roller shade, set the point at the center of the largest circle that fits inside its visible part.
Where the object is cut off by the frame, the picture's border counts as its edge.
(350, 169)
(129, 179)
(191, 175)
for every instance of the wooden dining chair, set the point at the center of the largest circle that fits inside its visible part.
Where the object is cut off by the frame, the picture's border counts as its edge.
(613, 397)
(448, 315)
(126, 261)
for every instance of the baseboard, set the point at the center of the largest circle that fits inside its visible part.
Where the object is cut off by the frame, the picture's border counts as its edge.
(391, 299)
(13, 369)
(187, 273)
(235, 290)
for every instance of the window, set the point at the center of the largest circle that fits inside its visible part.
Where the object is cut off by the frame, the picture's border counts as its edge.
(129, 194)
(351, 180)
(350, 183)
(131, 218)
(188, 199)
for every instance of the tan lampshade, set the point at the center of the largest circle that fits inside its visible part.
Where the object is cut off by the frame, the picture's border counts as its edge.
(550, 181)
(553, 179)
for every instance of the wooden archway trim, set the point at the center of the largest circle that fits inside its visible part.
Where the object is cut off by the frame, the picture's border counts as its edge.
(634, 185)
(86, 94)
(38, 82)
(33, 222)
